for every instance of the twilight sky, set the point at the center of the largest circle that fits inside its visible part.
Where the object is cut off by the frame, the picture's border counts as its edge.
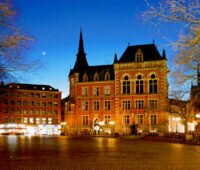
(108, 27)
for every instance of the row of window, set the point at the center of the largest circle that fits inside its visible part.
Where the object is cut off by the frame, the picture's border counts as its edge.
(96, 77)
(30, 103)
(30, 120)
(125, 121)
(32, 95)
(96, 91)
(139, 85)
(126, 105)
(31, 112)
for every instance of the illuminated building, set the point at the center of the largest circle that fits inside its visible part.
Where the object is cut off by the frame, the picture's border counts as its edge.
(195, 100)
(109, 98)
(29, 108)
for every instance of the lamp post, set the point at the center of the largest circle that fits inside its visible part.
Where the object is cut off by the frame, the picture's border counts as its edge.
(176, 119)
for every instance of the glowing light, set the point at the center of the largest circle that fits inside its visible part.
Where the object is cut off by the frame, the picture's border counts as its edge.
(12, 125)
(111, 122)
(101, 123)
(198, 115)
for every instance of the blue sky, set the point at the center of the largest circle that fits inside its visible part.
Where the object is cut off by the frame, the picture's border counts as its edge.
(108, 26)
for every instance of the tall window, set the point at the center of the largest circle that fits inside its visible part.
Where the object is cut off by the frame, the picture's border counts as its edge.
(126, 119)
(153, 104)
(139, 85)
(126, 89)
(140, 119)
(153, 119)
(126, 105)
(107, 119)
(153, 84)
(107, 76)
(106, 90)
(96, 91)
(84, 105)
(107, 105)
(85, 120)
(96, 105)
(84, 91)
(96, 77)
(139, 56)
(85, 78)
(139, 104)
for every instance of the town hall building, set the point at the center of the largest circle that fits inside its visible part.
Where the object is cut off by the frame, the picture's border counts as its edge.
(107, 99)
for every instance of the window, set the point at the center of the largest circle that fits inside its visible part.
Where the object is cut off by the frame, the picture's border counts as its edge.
(49, 112)
(139, 56)
(106, 105)
(6, 120)
(25, 120)
(31, 112)
(50, 120)
(37, 120)
(31, 103)
(49, 103)
(25, 103)
(31, 94)
(43, 112)
(44, 120)
(84, 105)
(18, 103)
(140, 119)
(126, 120)
(12, 102)
(25, 112)
(18, 111)
(37, 103)
(107, 76)
(153, 84)
(96, 105)
(106, 90)
(37, 112)
(55, 104)
(85, 77)
(126, 85)
(37, 95)
(55, 112)
(96, 91)
(153, 104)
(84, 91)
(126, 105)
(139, 85)
(107, 119)
(43, 103)
(19, 120)
(139, 104)
(31, 120)
(85, 120)
(153, 119)
(96, 77)
(49, 95)
(56, 96)
(43, 95)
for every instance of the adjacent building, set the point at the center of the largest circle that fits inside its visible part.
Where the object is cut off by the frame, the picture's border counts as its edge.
(109, 98)
(29, 109)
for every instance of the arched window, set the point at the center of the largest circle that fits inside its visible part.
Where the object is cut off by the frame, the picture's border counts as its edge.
(107, 76)
(139, 56)
(126, 89)
(139, 85)
(96, 77)
(153, 84)
(85, 77)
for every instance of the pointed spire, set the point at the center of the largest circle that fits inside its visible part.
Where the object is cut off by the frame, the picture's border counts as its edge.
(81, 47)
(115, 58)
(163, 54)
(81, 61)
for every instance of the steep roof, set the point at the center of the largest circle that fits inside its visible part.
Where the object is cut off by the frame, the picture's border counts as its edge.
(150, 53)
(101, 70)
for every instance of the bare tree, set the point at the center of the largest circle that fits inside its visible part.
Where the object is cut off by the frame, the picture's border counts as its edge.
(180, 108)
(13, 44)
(187, 14)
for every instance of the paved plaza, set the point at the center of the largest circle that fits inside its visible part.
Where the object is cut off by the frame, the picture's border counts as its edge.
(62, 152)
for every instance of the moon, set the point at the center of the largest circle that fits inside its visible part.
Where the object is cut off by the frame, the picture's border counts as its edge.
(44, 53)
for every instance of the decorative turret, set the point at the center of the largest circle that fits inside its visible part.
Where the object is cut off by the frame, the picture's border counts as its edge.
(115, 58)
(164, 54)
(81, 61)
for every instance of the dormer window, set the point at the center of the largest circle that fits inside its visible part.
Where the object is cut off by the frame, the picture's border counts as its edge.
(85, 77)
(96, 77)
(139, 56)
(107, 76)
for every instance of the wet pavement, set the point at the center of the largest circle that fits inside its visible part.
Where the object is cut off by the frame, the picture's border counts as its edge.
(62, 152)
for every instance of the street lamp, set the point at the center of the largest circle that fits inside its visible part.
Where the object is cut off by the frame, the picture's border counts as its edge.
(176, 119)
